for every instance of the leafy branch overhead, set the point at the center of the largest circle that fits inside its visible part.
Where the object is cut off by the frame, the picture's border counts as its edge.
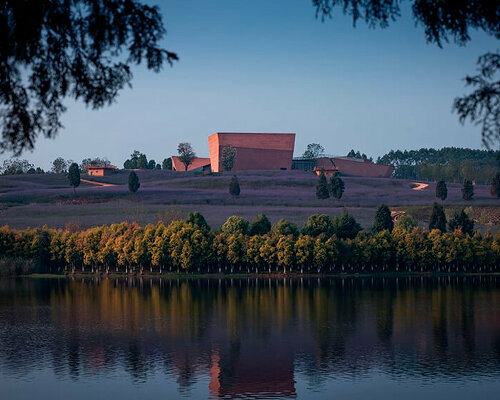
(81, 49)
(444, 20)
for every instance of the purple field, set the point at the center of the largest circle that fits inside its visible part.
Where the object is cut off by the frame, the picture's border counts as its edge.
(35, 200)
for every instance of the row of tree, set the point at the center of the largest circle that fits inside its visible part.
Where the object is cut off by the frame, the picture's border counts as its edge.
(452, 164)
(323, 245)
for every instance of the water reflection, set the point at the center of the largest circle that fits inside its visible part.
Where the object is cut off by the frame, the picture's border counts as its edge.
(250, 338)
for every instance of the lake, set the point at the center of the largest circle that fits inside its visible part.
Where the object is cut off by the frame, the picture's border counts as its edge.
(342, 338)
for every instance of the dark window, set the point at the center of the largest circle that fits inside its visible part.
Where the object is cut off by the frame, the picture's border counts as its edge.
(283, 169)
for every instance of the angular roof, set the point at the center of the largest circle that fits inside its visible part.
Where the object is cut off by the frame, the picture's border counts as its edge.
(198, 162)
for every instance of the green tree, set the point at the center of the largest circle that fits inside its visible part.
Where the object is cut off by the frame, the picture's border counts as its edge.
(133, 182)
(495, 185)
(151, 164)
(383, 219)
(284, 228)
(407, 222)
(313, 150)
(467, 190)
(461, 221)
(74, 176)
(197, 220)
(142, 162)
(336, 186)
(59, 165)
(346, 226)
(260, 225)
(438, 218)
(167, 163)
(228, 157)
(322, 187)
(186, 154)
(52, 50)
(441, 190)
(234, 186)
(235, 225)
(318, 224)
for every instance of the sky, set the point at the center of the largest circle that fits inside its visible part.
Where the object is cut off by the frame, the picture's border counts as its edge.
(272, 66)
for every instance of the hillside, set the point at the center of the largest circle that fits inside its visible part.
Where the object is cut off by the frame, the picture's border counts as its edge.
(35, 200)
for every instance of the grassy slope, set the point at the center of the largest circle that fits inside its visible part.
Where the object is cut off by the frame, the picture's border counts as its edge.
(34, 200)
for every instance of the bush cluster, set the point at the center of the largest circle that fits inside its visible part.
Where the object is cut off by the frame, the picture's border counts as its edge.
(323, 245)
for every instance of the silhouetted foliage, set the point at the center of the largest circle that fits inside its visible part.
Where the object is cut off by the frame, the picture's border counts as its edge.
(443, 20)
(133, 182)
(313, 150)
(467, 190)
(357, 154)
(74, 175)
(77, 48)
(59, 165)
(167, 163)
(260, 225)
(441, 190)
(234, 186)
(495, 185)
(461, 221)
(151, 164)
(16, 166)
(438, 218)
(322, 187)
(482, 106)
(449, 163)
(337, 186)
(228, 157)
(383, 219)
(186, 154)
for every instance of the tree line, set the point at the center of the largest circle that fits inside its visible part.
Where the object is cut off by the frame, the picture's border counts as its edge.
(323, 245)
(451, 164)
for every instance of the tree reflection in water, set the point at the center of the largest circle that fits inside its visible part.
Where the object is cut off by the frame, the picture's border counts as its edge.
(251, 337)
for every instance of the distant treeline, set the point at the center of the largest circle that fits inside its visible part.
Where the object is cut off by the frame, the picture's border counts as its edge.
(451, 164)
(323, 246)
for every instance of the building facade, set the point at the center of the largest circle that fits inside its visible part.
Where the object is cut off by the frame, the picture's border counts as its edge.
(254, 151)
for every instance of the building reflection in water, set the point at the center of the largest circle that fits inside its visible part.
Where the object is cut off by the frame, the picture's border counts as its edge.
(251, 337)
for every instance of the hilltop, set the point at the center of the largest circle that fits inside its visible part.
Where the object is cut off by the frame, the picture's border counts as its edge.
(35, 200)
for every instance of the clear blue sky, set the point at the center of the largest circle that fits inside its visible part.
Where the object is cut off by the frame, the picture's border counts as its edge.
(271, 66)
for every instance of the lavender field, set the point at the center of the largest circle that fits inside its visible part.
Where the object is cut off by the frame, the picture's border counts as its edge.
(36, 200)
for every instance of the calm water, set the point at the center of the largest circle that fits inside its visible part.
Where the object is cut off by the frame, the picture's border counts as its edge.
(406, 338)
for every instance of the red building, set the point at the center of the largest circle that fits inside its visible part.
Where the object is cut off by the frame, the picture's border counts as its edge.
(266, 151)
(100, 170)
(198, 164)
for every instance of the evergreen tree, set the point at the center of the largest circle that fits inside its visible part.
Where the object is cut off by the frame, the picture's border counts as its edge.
(336, 186)
(322, 187)
(346, 226)
(133, 182)
(495, 185)
(461, 221)
(198, 220)
(260, 225)
(234, 186)
(438, 218)
(74, 176)
(467, 190)
(228, 157)
(383, 219)
(142, 162)
(167, 163)
(441, 190)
